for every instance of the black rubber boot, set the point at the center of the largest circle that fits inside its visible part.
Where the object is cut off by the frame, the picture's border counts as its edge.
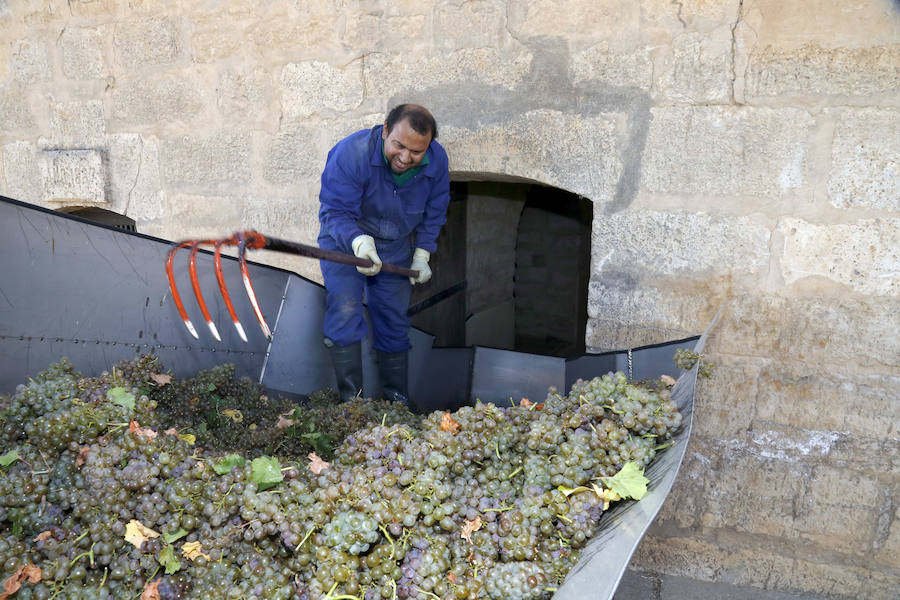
(347, 362)
(393, 371)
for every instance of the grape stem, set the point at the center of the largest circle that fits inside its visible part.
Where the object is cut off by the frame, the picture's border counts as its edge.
(389, 538)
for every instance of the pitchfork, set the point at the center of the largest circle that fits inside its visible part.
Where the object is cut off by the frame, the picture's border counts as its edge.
(256, 241)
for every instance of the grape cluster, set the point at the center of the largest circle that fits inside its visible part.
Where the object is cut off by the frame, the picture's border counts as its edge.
(127, 482)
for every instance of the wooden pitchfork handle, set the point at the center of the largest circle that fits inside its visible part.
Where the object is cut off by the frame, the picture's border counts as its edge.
(330, 255)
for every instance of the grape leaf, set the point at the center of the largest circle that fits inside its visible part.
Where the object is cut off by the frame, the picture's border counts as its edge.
(151, 590)
(193, 551)
(629, 482)
(135, 427)
(29, 573)
(9, 458)
(316, 464)
(229, 462)
(137, 533)
(233, 414)
(168, 560)
(161, 379)
(121, 396)
(265, 472)
(174, 535)
(470, 527)
(448, 423)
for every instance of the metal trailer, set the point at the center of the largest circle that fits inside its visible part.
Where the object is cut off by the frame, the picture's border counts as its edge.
(97, 295)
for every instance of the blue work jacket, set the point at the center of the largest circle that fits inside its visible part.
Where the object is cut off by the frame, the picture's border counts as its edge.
(359, 196)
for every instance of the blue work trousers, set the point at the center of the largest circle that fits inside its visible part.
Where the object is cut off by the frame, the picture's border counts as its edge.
(386, 296)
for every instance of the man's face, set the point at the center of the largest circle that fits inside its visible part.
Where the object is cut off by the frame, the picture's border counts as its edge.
(404, 147)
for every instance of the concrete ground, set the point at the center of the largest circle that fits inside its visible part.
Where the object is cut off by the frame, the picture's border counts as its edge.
(643, 585)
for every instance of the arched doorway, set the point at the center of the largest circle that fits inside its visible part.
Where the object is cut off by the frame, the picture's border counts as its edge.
(511, 270)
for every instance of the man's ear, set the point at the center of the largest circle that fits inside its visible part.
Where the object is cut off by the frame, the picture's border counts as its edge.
(384, 132)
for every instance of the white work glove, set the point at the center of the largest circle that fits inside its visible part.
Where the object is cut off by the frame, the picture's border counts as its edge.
(420, 264)
(364, 247)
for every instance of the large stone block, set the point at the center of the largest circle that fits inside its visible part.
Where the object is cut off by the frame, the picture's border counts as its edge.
(158, 101)
(623, 314)
(610, 66)
(245, 95)
(215, 37)
(478, 24)
(15, 109)
(843, 333)
(865, 405)
(699, 68)
(82, 50)
(144, 42)
(76, 125)
(21, 174)
(294, 155)
(724, 404)
(750, 492)
(581, 155)
(688, 15)
(215, 161)
(388, 33)
(135, 183)
(733, 151)
(865, 159)
(385, 74)
(813, 71)
(863, 255)
(653, 244)
(310, 88)
(72, 176)
(30, 61)
(597, 19)
(314, 30)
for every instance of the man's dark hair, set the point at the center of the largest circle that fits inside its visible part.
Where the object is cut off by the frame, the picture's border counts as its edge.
(418, 116)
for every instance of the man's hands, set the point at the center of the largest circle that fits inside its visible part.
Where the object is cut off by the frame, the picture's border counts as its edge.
(364, 247)
(420, 264)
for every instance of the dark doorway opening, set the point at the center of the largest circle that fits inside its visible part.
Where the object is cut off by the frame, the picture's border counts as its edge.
(511, 270)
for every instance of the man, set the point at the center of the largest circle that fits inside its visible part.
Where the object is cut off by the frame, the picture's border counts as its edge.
(384, 197)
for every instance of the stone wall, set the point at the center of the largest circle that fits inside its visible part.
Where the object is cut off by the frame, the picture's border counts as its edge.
(739, 153)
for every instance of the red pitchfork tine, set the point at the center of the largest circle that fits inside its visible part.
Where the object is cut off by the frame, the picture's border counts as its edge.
(254, 241)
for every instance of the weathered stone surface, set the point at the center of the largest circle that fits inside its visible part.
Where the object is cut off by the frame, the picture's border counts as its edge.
(387, 33)
(743, 151)
(852, 22)
(21, 174)
(30, 61)
(312, 87)
(632, 68)
(687, 15)
(385, 74)
(766, 566)
(146, 42)
(724, 403)
(198, 216)
(865, 159)
(246, 95)
(313, 29)
(82, 51)
(15, 111)
(582, 158)
(135, 185)
(677, 244)
(215, 38)
(479, 24)
(864, 255)
(157, 101)
(843, 333)
(72, 176)
(606, 19)
(293, 156)
(813, 70)
(699, 70)
(864, 405)
(214, 161)
(78, 125)
(625, 313)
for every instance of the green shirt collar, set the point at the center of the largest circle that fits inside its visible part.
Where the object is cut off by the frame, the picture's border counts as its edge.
(404, 177)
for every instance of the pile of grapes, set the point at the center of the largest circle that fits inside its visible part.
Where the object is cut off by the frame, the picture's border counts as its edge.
(135, 485)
